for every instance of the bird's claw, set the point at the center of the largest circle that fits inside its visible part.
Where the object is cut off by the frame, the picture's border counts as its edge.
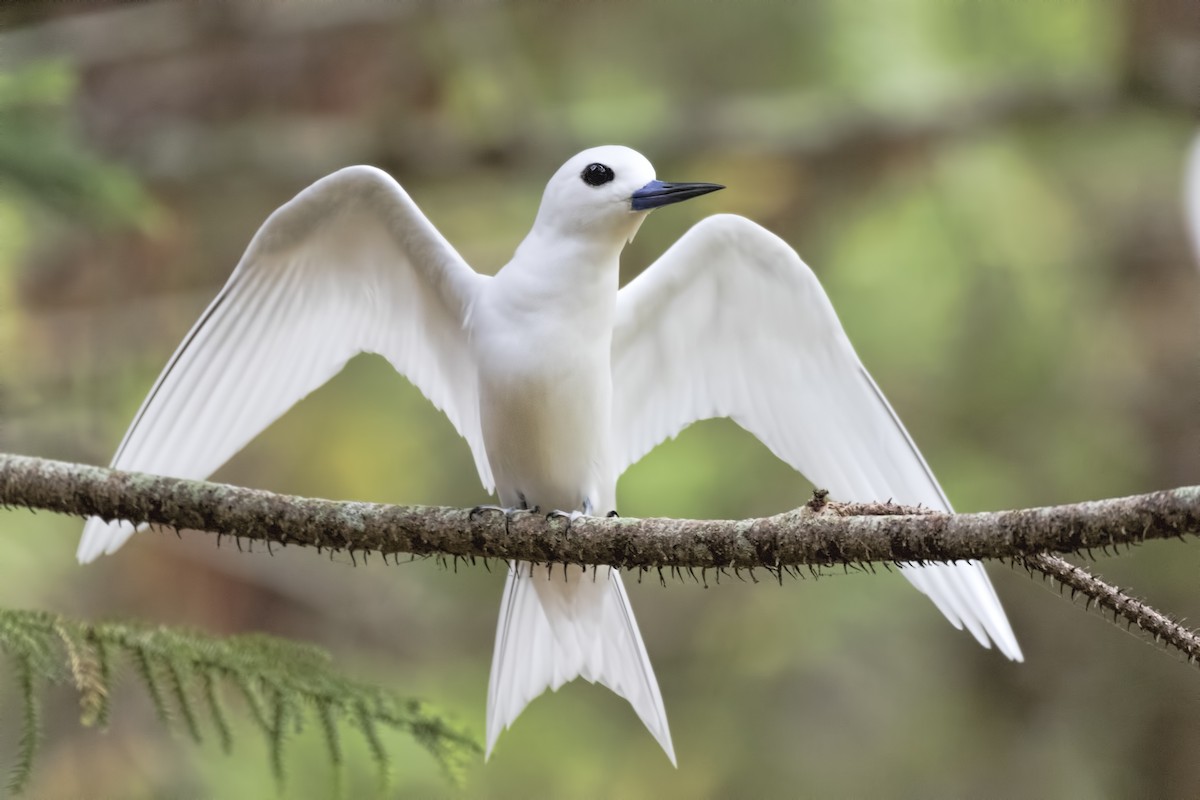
(509, 513)
(478, 510)
(571, 516)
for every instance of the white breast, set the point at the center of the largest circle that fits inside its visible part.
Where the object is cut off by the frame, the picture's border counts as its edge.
(545, 392)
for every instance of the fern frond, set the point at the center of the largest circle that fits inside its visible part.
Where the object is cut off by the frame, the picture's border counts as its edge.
(25, 635)
(333, 743)
(275, 736)
(252, 696)
(97, 715)
(329, 728)
(282, 683)
(213, 698)
(88, 669)
(176, 670)
(365, 722)
(18, 776)
(148, 674)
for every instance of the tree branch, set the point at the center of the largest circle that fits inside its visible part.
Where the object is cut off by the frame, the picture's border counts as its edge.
(1125, 609)
(822, 533)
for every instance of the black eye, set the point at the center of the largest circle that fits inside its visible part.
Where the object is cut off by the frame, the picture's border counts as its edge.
(597, 174)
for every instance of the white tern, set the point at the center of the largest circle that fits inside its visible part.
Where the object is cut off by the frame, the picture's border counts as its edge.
(557, 378)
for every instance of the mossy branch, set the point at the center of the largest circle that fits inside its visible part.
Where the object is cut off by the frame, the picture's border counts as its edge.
(820, 534)
(183, 672)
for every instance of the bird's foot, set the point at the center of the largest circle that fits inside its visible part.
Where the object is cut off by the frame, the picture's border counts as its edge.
(571, 516)
(478, 510)
(612, 514)
(508, 513)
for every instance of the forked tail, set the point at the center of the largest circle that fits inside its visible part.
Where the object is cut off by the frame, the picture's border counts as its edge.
(553, 630)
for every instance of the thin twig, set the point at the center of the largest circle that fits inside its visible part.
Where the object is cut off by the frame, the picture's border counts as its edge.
(1126, 610)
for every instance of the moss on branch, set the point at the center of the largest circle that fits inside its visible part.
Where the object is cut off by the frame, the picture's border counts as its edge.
(822, 533)
(817, 534)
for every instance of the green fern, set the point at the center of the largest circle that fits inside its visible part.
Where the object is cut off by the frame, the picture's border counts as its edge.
(283, 684)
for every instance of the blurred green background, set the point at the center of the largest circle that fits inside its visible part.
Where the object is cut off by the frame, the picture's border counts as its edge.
(989, 191)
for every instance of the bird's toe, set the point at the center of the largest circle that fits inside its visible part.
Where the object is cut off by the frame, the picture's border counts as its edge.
(478, 510)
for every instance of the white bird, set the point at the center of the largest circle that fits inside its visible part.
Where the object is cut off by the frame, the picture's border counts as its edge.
(557, 380)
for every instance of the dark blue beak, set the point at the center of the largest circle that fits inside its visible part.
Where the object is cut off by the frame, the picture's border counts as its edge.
(656, 194)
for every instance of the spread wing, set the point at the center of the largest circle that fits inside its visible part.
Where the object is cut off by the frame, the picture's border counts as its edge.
(349, 265)
(731, 323)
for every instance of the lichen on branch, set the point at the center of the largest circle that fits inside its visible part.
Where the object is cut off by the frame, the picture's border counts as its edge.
(819, 534)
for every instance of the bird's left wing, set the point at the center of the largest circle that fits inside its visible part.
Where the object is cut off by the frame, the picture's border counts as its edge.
(349, 265)
(731, 323)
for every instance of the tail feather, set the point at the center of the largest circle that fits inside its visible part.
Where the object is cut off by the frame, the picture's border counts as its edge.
(554, 628)
(101, 538)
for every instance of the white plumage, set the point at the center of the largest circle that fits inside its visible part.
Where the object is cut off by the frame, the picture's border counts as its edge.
(557, 380)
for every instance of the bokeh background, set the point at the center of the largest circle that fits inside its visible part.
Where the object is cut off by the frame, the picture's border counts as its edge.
(991, 192)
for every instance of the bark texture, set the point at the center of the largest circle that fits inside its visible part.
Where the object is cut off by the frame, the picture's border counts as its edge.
(822, 533)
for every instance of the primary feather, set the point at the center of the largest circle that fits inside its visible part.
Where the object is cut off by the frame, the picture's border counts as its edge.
(349, 265)
(729, 322)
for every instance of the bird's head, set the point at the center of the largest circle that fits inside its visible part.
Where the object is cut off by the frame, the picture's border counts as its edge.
(606, 192)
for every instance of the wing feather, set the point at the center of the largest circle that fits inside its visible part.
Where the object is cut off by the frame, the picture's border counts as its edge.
(349, 265)
(730, 322)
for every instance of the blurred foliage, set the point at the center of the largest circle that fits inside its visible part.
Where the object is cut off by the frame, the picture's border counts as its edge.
(42, 161)
(51, 181)
(989, 192)
(282, 684)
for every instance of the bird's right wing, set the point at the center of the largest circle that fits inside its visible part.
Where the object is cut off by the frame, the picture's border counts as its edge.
(731, 323)
(349, 265)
